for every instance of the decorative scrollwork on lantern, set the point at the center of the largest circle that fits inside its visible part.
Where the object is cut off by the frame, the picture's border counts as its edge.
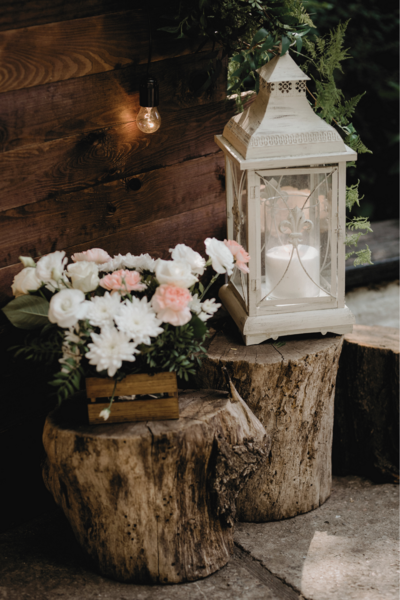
(296, 224)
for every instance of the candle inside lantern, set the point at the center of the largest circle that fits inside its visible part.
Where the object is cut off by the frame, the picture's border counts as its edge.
(295, 283)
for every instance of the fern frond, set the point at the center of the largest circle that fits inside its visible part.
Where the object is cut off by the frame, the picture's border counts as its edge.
(352, 195)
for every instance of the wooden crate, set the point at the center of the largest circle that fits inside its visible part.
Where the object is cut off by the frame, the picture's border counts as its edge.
(152, 409)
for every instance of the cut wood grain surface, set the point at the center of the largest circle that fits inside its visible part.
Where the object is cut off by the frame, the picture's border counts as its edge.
(69, 49)
(43, 171)
(290, 389)
(56, 110)
(171, 486)
(366, 431)
(72, 219)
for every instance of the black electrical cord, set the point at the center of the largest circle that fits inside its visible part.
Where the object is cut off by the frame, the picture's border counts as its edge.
(148, 91)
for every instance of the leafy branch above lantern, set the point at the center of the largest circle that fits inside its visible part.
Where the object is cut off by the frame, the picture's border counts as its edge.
(251, 33)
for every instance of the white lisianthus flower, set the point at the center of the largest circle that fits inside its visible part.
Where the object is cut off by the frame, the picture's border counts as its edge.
(27, 261)
(115, 264)
(174, 272)
(50, 270)
(144, 262)
(25, 281)
(67, 307)
(183, 253)
(208, 308)
(109, 349)
(84, 275)
(195, 304)
(221, 256)
(103, 309)
(138, 320)
(105, 413)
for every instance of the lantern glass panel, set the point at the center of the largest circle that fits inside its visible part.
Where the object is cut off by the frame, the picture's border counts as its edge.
(296, 242)
(240, 217)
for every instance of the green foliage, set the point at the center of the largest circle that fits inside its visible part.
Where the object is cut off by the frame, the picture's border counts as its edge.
(177, 349)
(27, 312)
(352, 195)
(361, 226)
(68, 381)
(45, 348)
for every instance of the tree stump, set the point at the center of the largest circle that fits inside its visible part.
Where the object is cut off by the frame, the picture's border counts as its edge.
(366, 430)
(291, 391)
(155, 502)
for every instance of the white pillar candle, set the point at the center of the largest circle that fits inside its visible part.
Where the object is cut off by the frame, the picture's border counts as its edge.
(295, 283)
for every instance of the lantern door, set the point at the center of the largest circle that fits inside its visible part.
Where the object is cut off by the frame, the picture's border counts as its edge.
(295, 239)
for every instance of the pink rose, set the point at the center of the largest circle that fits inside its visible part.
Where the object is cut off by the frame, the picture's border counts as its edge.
(239, 254)
(171, 304)
(123, 281)
(96, 255)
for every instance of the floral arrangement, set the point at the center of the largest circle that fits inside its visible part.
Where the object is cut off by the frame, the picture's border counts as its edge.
(111, 317)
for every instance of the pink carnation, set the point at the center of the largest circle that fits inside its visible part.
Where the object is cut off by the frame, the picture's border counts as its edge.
(123, 281)
(171, 304)
(239, 254)
(96, 255)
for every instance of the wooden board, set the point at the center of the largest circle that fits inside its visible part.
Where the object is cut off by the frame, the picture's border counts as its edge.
(76, 218)
(49, 169)
(97, 387)
(157, 409)
(57, 51)
(47, 112)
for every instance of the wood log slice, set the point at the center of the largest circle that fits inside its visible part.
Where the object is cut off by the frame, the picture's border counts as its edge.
(155, 502)
(290, 389)
(366, 429)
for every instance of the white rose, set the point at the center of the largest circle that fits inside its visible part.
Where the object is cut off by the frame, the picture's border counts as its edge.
(221, 256)
(84, 275)
(67, 308)
(25, 282)
(183, 253)
(174, 272)
(50, 269)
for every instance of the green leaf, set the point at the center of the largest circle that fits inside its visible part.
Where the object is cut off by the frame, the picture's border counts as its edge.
(285, 44)
(299, 43)
(269, 42)
(238, 58)
(260, 35)
(27, 312)
(199, 327)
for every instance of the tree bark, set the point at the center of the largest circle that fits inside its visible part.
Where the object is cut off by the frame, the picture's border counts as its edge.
(155, 502)
(366, 430)
(291, 390)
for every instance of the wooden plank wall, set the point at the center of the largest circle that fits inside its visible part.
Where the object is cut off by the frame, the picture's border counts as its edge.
(77, 173)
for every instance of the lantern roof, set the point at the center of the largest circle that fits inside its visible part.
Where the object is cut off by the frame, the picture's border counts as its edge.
(280, 122)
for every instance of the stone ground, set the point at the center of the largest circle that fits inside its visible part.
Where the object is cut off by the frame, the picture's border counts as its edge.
(345, 550)
(375, 304)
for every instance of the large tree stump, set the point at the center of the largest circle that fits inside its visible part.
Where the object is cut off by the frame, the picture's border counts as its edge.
(366, 430)
(291, 390)
(154, 502)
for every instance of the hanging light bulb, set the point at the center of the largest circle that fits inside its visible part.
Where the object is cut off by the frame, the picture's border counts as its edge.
(148, 119)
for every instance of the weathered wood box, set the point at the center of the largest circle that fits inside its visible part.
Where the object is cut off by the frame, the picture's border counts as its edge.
(144, 409)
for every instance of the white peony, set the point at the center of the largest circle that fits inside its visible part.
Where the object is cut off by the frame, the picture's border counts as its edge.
(50, 270)
(102, 310)
(109, 349)
(138, 320)
(221, 257)
(84, 276)
(174, 272)
(67, 307)
(144, 262)
(114, 264)
(25, 281)
(183, 253)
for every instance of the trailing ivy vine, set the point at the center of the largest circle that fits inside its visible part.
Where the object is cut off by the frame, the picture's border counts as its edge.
(252, 32)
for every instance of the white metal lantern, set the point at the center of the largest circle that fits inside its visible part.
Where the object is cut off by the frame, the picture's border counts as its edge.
(286, 194)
